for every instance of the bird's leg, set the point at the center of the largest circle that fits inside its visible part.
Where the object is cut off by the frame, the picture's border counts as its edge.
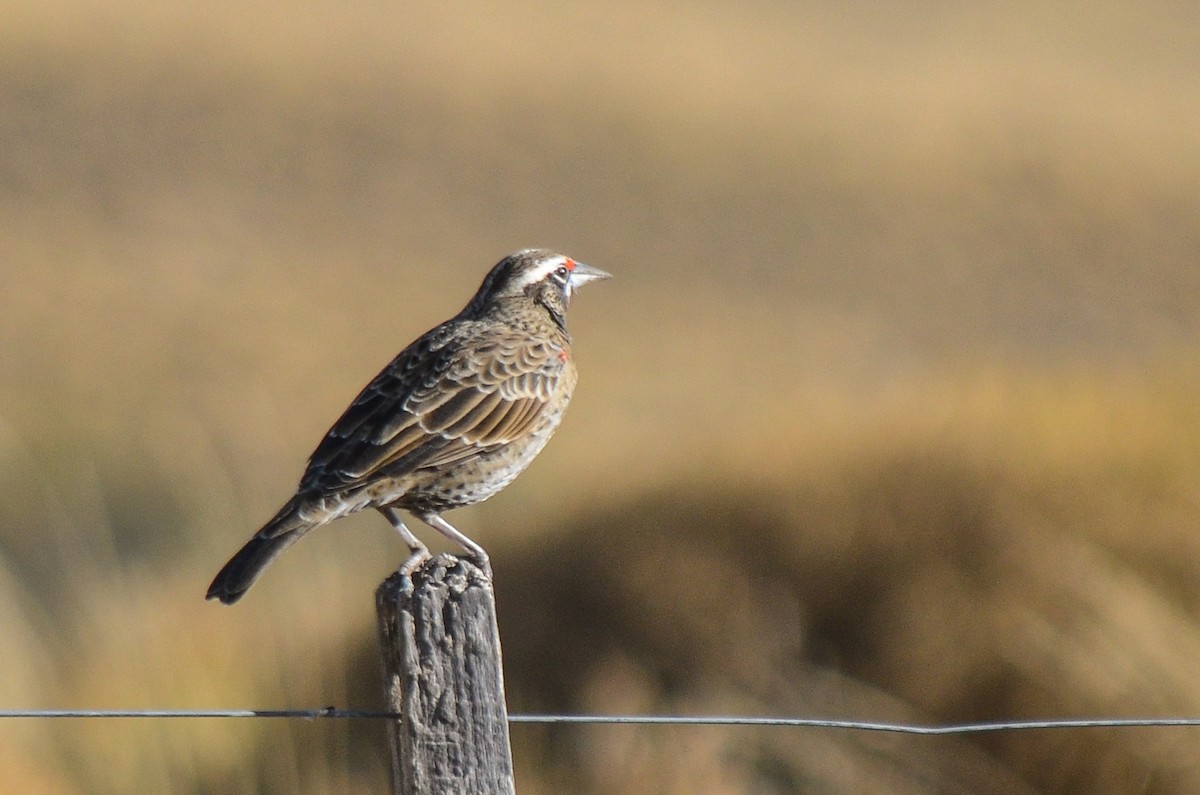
(449, 531)
(418, 552)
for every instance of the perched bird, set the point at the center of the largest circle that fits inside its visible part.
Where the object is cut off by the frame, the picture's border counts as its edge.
(452, 420)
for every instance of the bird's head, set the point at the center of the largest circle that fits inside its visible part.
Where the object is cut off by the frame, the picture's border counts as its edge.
(546, 278)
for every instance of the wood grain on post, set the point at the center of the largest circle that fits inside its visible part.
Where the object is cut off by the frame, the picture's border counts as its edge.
(442, 675)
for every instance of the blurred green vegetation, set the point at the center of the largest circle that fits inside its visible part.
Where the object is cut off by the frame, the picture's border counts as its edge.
(889, 413)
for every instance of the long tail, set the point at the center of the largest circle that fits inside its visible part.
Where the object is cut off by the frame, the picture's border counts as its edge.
(236, 577)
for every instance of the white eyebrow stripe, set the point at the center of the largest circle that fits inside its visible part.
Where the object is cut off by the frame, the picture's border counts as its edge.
(543, 270)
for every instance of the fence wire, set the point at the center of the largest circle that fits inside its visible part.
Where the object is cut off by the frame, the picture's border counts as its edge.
(643, 720)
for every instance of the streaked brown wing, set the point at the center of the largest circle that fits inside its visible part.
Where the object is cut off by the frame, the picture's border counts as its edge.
(452, 402)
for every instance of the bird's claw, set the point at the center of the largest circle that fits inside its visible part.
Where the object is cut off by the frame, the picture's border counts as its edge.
(416, 558)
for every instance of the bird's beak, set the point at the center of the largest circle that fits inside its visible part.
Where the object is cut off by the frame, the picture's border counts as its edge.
(582, 274)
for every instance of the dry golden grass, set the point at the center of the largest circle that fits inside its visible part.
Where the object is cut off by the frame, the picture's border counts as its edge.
(889, 413)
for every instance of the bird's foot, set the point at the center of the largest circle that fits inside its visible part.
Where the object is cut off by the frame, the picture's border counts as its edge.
(416, 558)
(481, 559)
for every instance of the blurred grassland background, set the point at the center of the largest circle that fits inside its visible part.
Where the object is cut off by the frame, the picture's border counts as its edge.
(889, 413)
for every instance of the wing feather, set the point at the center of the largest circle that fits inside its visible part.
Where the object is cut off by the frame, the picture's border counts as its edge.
(438, 402)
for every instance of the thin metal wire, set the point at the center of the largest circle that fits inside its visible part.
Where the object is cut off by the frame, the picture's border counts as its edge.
(653, 720)
(902, 728)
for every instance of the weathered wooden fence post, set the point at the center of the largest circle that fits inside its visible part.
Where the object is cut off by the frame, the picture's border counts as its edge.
(442, 674)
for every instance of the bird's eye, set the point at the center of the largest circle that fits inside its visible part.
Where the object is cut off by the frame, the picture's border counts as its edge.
(561, 273)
